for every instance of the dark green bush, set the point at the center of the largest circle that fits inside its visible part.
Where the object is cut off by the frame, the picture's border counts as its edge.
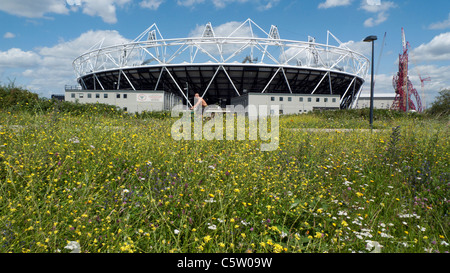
(441, 106)
(14, 98)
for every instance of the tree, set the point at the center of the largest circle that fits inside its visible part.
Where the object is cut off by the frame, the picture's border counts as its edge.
(441, 106)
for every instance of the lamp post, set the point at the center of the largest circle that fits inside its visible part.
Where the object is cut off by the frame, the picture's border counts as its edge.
(371, 38)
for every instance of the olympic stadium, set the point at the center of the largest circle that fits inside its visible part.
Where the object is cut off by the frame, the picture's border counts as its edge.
(221, 67)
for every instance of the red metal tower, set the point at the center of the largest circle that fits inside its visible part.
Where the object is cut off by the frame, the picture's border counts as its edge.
(403, 86)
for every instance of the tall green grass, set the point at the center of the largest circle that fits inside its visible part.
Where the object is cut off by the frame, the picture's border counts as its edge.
(120, 183)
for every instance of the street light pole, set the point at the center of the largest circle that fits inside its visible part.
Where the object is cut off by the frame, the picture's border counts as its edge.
(371, 38)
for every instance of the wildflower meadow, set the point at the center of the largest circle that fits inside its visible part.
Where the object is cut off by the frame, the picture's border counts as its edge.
(117, 182)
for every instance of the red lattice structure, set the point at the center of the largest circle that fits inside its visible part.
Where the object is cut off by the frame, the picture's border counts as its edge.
(404, 89)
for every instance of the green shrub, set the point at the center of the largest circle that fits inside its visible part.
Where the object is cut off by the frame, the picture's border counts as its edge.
(441, 106)
(15, 98)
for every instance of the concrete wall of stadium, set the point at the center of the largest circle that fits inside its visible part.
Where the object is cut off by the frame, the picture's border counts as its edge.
(289, 103)
(130, 101)
(138, 101)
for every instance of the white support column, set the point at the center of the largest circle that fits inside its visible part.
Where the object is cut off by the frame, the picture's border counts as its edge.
(357, 98)
(214, 76)
(83, 83)
(348, 88)
(101, 85)
(159, 78)
(329, 81)
(210, 81)
(179, 88)
(287, 82)
(267, 85)
(317, 86)
(126, 77)
(232, 83)
(118, 80)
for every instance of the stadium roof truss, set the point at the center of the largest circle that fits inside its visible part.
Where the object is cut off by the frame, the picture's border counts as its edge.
(248, 59)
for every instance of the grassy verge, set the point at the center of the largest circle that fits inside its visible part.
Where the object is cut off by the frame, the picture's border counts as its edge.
(120, 183)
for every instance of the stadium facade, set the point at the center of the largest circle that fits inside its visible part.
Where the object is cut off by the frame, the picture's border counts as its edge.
(223, 67)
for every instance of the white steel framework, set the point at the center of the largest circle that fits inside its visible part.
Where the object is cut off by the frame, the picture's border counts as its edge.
(220, 67)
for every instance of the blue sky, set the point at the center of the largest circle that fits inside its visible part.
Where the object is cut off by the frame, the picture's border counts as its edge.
(39, 39)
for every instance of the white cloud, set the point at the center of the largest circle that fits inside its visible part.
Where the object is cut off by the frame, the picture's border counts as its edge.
(360, 47)
(379, 9)
(439, 80)
(189, 3)
(334, 3)
(46, 70)
(83, 43)
(424, 61)
(371, 22)
(382, 7)
(373, 2)
(383, 84)
(15, 58)
(9, 35)
(59, 58)
(237, 29)
(438, 49)
(33, 8)
(441, 25)
(106, 9)
(73, 2)
(269, 5)
(260, 4)
(224, 3)
(438, 75)
(151, 4)
(224, 30)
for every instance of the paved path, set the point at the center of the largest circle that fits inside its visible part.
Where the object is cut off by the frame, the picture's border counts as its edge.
(330, 130)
